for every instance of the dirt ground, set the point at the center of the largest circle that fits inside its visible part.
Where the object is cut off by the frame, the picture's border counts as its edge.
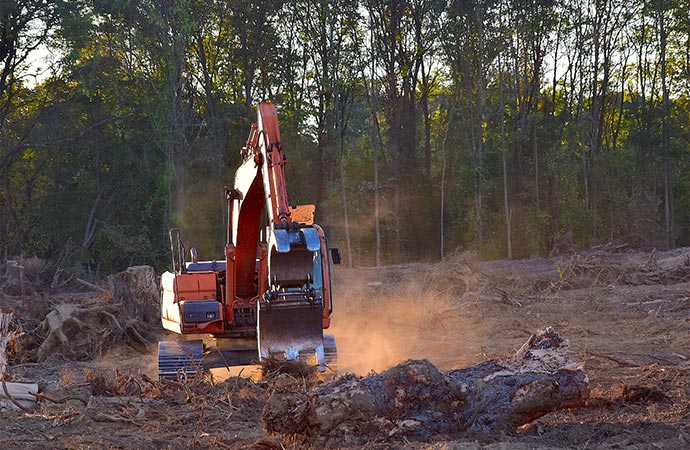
(625, 313)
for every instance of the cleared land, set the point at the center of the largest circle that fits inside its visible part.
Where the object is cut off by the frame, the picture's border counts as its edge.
(625, 313)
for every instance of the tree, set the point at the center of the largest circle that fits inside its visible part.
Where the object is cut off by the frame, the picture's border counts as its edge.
(470, 53)
(403, 36)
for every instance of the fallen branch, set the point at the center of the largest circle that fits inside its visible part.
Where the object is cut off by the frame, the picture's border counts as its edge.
(12, 399)
(102, 417)
(183, 386)
(92, 286)
(136, 338)
(620, 362)
(41, 396)
(113, 319)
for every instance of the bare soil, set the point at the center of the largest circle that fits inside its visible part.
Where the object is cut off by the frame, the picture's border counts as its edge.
(626, 315)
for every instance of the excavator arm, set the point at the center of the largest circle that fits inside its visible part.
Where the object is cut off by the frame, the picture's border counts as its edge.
(290, 303)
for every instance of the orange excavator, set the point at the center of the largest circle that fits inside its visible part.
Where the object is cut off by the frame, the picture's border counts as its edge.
(271, 295)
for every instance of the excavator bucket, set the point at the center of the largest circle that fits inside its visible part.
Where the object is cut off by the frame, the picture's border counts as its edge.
(290, 331)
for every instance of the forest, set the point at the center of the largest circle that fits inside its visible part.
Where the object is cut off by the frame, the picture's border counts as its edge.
(417, 127)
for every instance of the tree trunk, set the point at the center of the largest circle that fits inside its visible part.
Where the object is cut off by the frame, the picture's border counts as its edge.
(443, 183)
(91, 221)
(377, 211)
(378, 145)
(668, 182)
(536, 173)
(343, 191)
(427, 122)
(506, 208)
(415, 400)
(319, 174)
(394, 143)
(479, 135)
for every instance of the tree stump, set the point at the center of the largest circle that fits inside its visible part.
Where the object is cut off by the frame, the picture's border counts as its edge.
(13, 278)
(137, 290)
(416, 400)
(81, 332)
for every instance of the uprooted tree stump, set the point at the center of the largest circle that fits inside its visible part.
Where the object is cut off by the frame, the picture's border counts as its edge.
(78, 331)
(415, 400)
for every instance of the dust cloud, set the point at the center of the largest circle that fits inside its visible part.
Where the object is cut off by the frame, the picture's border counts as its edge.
(385, 316)
(124, 359)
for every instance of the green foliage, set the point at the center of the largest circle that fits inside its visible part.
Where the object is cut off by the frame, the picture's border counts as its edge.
(138, 125)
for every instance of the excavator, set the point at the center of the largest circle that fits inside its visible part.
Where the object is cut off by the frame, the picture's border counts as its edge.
(270, 297)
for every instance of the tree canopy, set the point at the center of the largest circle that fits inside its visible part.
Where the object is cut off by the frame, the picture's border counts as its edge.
(417, 126)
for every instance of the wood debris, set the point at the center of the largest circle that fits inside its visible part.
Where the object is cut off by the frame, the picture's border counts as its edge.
(417, 400)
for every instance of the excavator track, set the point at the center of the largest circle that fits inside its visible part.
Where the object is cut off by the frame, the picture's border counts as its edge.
(180, 359)
(330, 354)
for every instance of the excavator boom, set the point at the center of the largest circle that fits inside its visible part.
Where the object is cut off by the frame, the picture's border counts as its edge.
(289, 312)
